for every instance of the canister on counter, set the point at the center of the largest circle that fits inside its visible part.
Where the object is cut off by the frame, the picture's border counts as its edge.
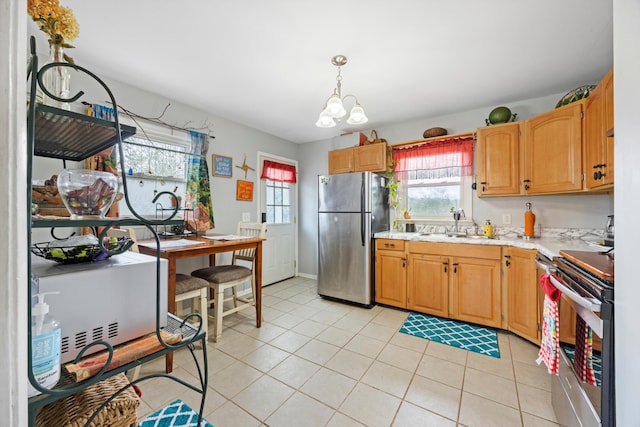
(488, 229)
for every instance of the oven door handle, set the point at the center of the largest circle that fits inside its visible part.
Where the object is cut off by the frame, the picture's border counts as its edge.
(548, 268)
(590, 304)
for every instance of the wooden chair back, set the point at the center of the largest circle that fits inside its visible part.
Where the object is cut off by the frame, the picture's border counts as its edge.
(253, 229)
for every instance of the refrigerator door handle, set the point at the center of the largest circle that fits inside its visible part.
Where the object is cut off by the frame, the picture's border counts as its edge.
(362, 200)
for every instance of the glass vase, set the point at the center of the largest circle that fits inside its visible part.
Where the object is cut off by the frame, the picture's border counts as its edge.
(56, 80)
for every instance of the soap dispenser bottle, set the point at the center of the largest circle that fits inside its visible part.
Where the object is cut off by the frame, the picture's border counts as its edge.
(488, 229)
(529, 221)
(45, 345)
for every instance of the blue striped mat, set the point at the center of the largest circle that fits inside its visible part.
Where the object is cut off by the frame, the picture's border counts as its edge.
(175, 414)
(456, 334)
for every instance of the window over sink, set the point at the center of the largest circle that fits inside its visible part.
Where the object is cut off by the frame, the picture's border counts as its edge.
(435, 177)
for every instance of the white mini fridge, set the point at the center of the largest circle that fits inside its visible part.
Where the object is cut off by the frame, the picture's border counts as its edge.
(113, 300)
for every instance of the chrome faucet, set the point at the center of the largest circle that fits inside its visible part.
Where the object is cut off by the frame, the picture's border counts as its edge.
(456, 218)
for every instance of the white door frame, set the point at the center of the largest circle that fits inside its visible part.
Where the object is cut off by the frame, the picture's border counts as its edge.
(260, 156)
(13, 193)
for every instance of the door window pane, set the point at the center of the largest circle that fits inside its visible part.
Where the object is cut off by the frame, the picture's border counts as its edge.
(278, 202)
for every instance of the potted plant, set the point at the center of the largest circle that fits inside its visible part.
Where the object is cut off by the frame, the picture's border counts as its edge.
(392, 185)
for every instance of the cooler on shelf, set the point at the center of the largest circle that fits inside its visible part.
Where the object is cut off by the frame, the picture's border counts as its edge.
(112, 300)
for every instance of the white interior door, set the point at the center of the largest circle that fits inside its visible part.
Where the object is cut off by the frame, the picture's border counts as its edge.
(278, 203)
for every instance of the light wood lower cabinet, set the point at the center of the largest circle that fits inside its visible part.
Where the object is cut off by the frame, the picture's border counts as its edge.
(488, 285)
(524, 311)
(391, 282)
(459, 281)
(476, 291)
(428, 284)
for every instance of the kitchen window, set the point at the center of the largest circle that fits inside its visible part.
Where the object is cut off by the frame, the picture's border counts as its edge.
(435, 177)
(156, 160)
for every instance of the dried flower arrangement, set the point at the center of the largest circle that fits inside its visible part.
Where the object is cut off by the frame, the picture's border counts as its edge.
(57, 22)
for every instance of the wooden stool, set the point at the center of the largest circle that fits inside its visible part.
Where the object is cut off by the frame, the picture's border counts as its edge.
(189, 287)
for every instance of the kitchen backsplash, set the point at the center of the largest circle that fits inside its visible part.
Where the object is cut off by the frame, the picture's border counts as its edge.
(566, 233)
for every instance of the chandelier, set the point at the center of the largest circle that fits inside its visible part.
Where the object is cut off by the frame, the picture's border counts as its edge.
(334, 109)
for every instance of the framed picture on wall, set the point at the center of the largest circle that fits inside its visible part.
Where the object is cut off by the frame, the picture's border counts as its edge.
(244, 190)
(222, 165)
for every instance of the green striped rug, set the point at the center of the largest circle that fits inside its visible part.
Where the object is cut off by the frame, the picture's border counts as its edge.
(456, 334)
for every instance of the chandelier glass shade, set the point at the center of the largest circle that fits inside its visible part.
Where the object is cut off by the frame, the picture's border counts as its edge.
(334, 109)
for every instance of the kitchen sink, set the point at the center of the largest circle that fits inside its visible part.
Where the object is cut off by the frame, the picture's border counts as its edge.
(448, 234)
(458, 234)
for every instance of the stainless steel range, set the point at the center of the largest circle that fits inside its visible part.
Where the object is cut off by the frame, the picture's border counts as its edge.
(586, 282)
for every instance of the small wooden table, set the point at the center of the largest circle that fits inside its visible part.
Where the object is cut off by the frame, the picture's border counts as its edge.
(205, 247)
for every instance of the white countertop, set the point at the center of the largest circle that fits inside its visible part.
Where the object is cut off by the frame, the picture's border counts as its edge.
(548, 246)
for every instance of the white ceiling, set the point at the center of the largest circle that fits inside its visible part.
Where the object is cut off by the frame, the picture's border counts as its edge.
(267, 64)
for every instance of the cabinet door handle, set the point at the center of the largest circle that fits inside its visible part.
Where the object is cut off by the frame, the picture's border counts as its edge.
(526, 185)
(404, 262)
(455, 268)
(598, 175)
(483, 185)
(507, 263)
(446, 265)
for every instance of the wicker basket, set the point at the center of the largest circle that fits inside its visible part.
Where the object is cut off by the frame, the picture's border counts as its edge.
(75, 410)
(433, 132)
(375, 139)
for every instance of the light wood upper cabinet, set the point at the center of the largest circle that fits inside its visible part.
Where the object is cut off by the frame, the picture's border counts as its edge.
(391, 284)
(607, 84)
(523, 308)
(499, 160)
(364, 158)
(608, 124)
(341, 161)
(598, 144)
(553, 151)
(428, 284)
(370, 158)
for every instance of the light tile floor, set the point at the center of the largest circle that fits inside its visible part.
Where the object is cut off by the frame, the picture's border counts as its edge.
(316, 362)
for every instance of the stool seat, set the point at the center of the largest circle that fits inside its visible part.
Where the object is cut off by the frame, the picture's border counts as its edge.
(222, 273)
(192, 288)
(186, 283)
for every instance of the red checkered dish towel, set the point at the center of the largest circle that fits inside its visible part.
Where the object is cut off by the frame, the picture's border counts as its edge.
(550, 346)
(583, 359)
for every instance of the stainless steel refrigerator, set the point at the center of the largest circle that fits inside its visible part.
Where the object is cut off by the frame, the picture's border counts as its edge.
(351, 208)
